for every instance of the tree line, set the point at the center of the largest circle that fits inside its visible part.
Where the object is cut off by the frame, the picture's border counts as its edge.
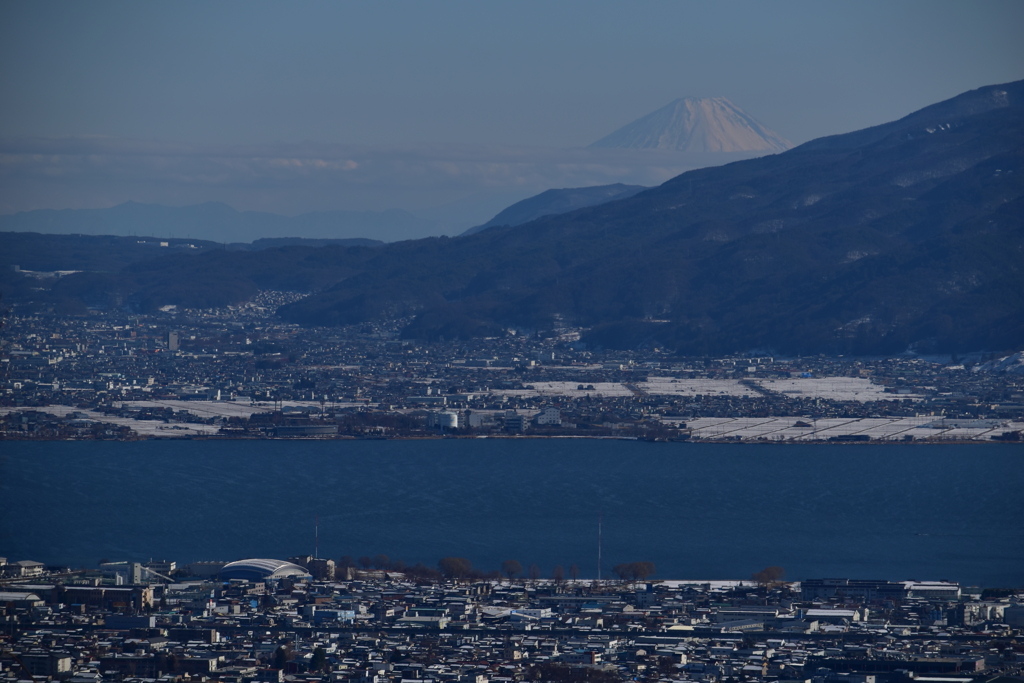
(461, 569)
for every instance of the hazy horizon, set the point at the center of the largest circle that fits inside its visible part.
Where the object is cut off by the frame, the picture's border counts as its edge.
(450, 112)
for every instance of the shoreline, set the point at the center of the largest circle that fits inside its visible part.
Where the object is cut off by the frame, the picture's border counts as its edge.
(54, 422)
(525, 437)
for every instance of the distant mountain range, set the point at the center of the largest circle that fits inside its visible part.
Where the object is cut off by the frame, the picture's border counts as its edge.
(552, 202)
(219, 222)
(707, 131)
(904, 235)
(697, 125)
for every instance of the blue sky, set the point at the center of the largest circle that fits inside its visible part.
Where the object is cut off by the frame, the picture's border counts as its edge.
(415, 87)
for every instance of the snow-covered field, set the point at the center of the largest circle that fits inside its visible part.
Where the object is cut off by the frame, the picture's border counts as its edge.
(835, 388)
(203, 408)
(240, 409)
(878, 429)
(141, 427)
(159, 428)
(671, 386)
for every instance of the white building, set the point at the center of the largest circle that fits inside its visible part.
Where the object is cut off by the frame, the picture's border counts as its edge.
(444, 419)
(481, 419)
(548, 416)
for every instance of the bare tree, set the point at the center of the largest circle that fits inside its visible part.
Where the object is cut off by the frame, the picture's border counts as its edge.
(633, 571)
(558, 574)
(511, 569)
(574, 572)
(769, 575)
(455, 567)
(381, 561)
(643, 569)
(534, 573)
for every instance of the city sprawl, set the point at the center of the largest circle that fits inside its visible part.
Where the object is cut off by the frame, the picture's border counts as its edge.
(239, 373)
(311, 620)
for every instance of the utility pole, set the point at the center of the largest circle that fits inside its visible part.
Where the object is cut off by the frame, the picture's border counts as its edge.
(600, 519)
(316, 539)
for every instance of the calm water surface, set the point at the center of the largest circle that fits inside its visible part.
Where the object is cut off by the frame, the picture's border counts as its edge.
(695, 510)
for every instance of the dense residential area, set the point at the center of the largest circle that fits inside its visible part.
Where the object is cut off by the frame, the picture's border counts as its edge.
(314, 620)
(238, 372)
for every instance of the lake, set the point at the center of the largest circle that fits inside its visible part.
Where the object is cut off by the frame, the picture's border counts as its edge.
(697, 511)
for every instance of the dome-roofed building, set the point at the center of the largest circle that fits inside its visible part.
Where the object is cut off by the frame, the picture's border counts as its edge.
(259, 569)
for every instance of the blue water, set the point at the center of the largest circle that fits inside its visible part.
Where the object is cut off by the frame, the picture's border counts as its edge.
(698, 511)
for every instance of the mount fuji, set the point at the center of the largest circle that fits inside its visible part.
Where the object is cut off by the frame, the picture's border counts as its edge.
(697, 125)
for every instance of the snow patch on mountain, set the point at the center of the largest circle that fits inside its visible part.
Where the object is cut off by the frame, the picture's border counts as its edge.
(697, 125)
(1013, 365)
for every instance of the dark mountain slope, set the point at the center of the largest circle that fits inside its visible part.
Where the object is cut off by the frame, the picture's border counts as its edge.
(851, 246)
(207, 279)
(39, 252)
(935, 116)
(551, 202)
